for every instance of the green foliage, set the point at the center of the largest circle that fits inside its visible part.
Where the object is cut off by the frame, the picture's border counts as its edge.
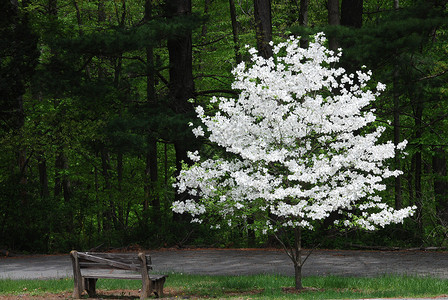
(80, 71)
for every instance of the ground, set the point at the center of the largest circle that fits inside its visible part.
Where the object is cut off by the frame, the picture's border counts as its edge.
(169, 293)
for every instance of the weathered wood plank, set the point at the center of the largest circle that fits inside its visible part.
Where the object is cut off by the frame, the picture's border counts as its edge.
(146, 283)
(126, 258)
(113, 276)
(77, 278)
(123, 276)
(109, 262)
(158, 285)
(94, 265)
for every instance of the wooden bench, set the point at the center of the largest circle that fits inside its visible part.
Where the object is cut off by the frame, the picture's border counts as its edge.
(89, 266)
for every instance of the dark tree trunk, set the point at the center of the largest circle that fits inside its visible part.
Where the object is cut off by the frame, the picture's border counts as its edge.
(263, 27)
(109, 212)
(99, 217)
(396, 124)
(333, 19)
(303, 20)
(181, 84)
(206, 9)
(43, 176)
(23, 165)
(62, 183)
(122, 203)
(439, 163)
(14, 113)
(351, 13)
(419, 165)
(298, 263)
(235, 32)
(151, 172)
(151, 175)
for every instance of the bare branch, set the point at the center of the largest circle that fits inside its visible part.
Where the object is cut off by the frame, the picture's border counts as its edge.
(233, 92)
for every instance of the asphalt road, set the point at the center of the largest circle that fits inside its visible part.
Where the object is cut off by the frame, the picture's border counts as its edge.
(242, 262)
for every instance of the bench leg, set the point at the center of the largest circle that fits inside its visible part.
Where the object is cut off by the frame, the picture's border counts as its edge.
(78, 289)
(90, 286)
(77, 278)
(146, 288)
(158, 286)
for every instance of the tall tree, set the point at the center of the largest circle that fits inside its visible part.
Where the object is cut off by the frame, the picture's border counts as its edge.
(151, 193)
(292, 152)
(303, 20)
(397, 129)
(333, 20)
(18, 58)
(263, 27)
(351, 13)
(235, 32)
(181, 83)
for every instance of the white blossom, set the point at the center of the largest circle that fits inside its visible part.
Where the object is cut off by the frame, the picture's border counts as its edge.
(295, 153)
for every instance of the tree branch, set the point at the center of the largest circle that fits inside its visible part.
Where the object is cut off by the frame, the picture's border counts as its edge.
(233, 92)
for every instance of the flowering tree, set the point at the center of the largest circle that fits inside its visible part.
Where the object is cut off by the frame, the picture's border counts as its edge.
(301, 144)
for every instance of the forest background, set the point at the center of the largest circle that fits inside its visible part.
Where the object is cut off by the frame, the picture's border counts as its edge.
(96, 98)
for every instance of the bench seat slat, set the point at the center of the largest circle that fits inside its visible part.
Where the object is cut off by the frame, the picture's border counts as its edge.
(123, 276)
(94, 265)
(114, 276)
(110, 262)
(131, 258)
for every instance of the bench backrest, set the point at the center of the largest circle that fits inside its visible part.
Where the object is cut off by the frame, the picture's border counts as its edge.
(121, 261)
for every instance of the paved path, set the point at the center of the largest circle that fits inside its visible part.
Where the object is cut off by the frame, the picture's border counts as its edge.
(242, 262)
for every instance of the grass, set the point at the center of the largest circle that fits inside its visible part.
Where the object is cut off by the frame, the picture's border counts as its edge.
(252, 287)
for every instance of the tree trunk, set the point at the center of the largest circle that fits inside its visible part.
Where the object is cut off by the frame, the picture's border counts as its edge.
(204, 26)
(333, 19)
(303, 20)
(235, 32)
(23, 165)
(418, 165)
(109, 211)
(351, 13)
(122, 203)
(298, 277)
(396, 124)
(62, 183)
(151, 174)
(43, 176)
(181, 84)
(151, 171)
(297, 261)
(99, 217)
(439, 167)
(263, 27)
